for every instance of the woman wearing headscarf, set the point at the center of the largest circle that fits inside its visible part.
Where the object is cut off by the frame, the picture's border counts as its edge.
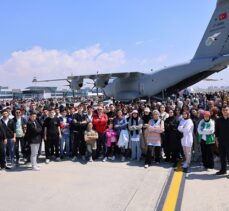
(206, 130)
(186, 128)
(146, 117)
(135, 128)
(153, 138)
(173, 137)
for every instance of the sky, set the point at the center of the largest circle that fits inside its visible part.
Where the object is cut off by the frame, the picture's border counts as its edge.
(51, 39)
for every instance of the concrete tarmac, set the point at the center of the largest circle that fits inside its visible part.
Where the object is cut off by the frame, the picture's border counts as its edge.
(68, 185)
(205, 191)
(106, 186)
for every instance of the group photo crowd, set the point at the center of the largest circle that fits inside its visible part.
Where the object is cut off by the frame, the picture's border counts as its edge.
(182, 129)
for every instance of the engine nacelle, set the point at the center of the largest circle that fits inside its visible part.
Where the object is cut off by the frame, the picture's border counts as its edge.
(101, 82)
(76, 84)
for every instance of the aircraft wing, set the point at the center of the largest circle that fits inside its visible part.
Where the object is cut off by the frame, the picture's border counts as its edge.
(106, 76)
(35, 80)
(100, 80)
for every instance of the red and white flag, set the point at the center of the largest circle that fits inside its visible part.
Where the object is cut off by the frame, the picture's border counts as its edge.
(223, 16)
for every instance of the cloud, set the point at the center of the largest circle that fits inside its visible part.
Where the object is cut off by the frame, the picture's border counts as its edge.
(22, 66)
(141, 42)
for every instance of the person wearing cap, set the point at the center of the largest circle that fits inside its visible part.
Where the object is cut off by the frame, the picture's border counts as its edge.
(206, 137)
(135, 128)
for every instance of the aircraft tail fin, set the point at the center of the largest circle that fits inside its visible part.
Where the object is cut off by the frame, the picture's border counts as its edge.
(215, 41)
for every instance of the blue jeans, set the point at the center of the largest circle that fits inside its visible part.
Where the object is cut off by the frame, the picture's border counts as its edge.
(65, 143)
(10, 147)
(136, 150)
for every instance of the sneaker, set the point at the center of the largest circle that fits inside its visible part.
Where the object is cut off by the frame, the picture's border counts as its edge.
(29, 165)
(5, 168)
(36, 168)
(113, 158)
(58, 159)
(47, 161)
(25, 160)
(123, 159)
(146, 166)
(185, 165)
(90, 159)
(110, 157)
(216, 159)
(221, 172)
(105, 159)
(74, 158)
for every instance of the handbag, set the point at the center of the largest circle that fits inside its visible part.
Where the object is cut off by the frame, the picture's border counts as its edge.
(123, 138)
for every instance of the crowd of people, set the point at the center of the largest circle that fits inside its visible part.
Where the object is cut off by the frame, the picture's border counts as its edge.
(193, 127)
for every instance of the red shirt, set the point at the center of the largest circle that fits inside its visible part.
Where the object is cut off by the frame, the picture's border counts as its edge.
(100, 123)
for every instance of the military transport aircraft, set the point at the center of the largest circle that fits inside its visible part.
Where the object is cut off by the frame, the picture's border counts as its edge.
(212, 56)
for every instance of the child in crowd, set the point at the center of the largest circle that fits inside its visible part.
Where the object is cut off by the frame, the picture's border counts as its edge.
(90, 137)
(111, 139)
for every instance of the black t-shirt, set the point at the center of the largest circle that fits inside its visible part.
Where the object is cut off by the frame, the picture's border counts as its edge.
(52, 125)
(222, 131)
(76, 124)
(146, 118)
(111, 114)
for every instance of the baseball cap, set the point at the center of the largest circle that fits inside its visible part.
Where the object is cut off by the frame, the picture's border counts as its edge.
(147, 110)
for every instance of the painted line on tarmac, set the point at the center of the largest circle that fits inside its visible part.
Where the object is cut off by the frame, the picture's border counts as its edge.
(171, 198)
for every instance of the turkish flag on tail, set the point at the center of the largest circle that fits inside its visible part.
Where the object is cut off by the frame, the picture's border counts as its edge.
(223, 16)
